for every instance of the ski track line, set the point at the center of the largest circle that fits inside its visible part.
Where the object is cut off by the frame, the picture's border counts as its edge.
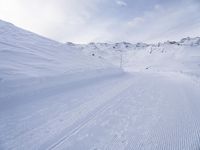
(69, 115)
(119, 140)
(179, 130)
(64, 106)
(113, 104)
(83, 109)
(146, 125)
(93, 115)
(167, 120)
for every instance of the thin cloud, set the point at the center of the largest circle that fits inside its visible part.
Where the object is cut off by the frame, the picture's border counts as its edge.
(135, 22)
(84, 21)
(121, 3)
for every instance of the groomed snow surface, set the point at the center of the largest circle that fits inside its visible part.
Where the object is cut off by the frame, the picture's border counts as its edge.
(54, 97)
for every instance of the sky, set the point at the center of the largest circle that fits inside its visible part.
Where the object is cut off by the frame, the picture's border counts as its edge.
(84, 21)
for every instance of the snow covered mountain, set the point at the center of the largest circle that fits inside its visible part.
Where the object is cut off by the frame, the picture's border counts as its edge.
(190, 41)
(33, 69)
(31, 55)
(55, 96)
(29, 62)
(182, 56)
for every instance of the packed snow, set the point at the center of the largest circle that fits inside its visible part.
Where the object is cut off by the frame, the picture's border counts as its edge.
(56, 96)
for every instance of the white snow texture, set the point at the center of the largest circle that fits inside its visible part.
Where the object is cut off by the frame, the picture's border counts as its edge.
(56, 96)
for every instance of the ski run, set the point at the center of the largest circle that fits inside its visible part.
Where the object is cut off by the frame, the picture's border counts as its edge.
(57, 96)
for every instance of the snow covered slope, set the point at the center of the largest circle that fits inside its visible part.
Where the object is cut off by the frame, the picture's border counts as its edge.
(182, 56)
(54, 97)
(108, 52)
(25, 54)
(30, 61)
(122, 112)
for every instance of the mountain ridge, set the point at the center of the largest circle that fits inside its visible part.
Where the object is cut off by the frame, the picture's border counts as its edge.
(181, 56)
(187, 41)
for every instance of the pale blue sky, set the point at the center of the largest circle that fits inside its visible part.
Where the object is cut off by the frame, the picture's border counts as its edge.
(84, 21)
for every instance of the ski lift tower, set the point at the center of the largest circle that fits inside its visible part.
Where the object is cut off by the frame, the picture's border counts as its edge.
(121, 58)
